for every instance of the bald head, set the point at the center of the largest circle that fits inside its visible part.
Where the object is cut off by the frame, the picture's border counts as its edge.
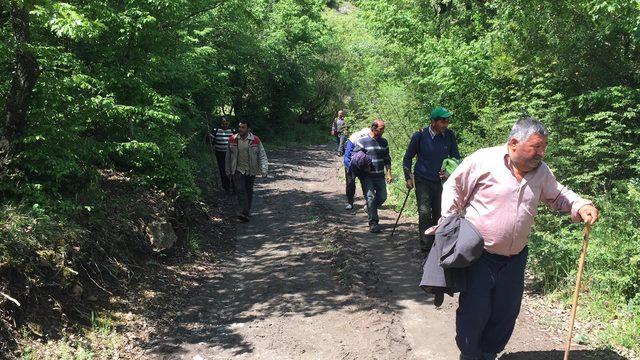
(377, 128)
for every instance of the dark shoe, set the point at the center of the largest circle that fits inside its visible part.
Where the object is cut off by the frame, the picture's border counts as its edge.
(374, 228)
(489, 356)
(438, 298)
(243, 218)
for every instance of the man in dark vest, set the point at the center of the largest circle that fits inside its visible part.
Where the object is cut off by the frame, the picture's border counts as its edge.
(431, 145)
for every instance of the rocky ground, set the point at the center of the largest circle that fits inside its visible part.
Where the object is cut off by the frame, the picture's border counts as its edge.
(305, 280)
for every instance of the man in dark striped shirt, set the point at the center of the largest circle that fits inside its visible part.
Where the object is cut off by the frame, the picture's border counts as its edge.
(220, 138)
(375, 182)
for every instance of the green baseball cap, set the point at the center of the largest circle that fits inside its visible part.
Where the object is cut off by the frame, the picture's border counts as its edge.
(439, 113)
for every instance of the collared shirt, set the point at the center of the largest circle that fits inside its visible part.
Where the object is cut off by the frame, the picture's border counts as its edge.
(431, 151)
(358, 134)
(484, 189)
(338, 125)
(243, 155)
(378, 150)
(433, 133)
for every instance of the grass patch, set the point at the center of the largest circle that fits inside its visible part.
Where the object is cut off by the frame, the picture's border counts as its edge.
(30, 235)
(313, 218)
(96, 343)
(193, 242)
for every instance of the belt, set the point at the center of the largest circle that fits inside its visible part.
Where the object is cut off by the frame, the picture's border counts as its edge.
(501, 257)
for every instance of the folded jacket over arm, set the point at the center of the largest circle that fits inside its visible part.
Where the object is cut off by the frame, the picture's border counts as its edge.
(457, 244)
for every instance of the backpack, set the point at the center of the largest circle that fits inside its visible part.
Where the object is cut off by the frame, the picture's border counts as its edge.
(360, 164)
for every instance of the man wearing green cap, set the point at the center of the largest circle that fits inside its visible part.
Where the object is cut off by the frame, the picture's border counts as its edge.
(431, 145)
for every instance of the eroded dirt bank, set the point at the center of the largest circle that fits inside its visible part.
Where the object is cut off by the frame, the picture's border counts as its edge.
(307, 281)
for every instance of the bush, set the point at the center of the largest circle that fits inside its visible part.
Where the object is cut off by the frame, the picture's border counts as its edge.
(36, 242)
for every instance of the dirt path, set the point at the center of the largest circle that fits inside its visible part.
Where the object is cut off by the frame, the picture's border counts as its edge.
(307, 281)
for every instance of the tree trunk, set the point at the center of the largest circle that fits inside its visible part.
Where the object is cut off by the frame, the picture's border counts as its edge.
(25, 75)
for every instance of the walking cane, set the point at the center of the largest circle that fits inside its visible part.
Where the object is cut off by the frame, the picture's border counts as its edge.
(400, 214)
(574, 307)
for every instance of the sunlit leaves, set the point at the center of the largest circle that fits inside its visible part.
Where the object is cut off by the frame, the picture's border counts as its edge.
(66, 20)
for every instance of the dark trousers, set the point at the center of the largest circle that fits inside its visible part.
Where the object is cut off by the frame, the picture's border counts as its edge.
(224, 179)
(342, 141)
(488, 309)
(429, 199)
(350, 180)
(243, 185)
(376, 195)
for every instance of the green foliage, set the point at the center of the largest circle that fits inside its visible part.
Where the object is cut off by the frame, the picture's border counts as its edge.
(612, 273)
(574, 65)
(32, 240)
(101, 323)
(193, 243)
(131, 86)
(127, 90)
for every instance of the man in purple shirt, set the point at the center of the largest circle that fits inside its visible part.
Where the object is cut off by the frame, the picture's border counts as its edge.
(498, 190)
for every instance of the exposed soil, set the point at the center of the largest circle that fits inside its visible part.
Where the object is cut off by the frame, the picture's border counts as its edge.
(305, 280)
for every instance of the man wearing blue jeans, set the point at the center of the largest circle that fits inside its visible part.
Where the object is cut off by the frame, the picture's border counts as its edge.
(375, 182)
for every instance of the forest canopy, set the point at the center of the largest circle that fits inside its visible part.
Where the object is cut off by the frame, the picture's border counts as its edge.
(88, 87)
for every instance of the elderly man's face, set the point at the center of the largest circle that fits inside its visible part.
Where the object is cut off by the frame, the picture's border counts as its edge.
(380, 130)
(528, 155)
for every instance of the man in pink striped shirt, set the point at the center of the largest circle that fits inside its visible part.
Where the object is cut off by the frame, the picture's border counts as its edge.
(498, 190)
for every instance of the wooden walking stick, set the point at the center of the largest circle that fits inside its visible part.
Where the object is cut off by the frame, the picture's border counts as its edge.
(574, 307)
(400, 214)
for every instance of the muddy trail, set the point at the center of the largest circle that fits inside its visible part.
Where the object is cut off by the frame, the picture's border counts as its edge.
(306, 280)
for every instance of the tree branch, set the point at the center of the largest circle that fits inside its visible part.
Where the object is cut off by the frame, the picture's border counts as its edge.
(10, 298)
(194, 14)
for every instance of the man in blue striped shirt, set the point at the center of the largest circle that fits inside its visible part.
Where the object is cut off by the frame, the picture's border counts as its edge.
(375, 182)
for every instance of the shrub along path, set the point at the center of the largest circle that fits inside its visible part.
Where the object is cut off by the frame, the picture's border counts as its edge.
(306, 280)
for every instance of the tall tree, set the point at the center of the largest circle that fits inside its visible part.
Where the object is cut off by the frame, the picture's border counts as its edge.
(24, 78)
